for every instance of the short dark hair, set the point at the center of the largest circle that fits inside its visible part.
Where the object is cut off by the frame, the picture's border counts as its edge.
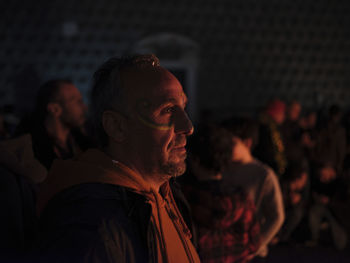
(106, 93)
(212, 145)
(47, 93)
(243, 128)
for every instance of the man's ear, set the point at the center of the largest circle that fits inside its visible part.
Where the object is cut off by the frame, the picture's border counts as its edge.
(54, 109)
(114, 125)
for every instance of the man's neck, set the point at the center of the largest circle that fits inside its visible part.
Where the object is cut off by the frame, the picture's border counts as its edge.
(245, 159)
(58, 131)
(154, 180)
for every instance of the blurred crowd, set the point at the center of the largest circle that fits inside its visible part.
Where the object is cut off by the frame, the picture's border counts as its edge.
(251, 183)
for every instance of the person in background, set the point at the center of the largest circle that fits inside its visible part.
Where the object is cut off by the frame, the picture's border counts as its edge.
(326, 187)
(270, 147)
(224, 216)
(309, 133)
(292, 133)
(256, 178)
(295, 189)
(331, 140)
(56, 126)
(291, 127)
(20, 174)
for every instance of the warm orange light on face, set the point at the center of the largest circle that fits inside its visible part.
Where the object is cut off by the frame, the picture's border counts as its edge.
(153, 125)
(144, 108)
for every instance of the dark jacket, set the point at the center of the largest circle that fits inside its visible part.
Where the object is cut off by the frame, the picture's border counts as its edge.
(44, 145)
(97, 223)
(18, 221)
(91, 211)
(20, 173)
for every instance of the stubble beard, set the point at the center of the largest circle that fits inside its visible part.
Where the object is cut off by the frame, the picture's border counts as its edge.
(173, 168)
(72, 123)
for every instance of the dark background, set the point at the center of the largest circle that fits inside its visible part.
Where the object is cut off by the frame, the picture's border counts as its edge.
(248, 51)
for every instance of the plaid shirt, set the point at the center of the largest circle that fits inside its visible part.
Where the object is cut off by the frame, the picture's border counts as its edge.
(227, 228)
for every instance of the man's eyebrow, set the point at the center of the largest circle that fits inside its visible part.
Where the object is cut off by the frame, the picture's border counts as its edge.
(174, 101)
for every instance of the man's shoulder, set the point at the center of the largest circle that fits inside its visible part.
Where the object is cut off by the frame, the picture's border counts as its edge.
(257, 168)
(265, 169)
(90, 202)
(93, 190)
(262, 172)
(86, 192)
(93, 218)
(254, 170)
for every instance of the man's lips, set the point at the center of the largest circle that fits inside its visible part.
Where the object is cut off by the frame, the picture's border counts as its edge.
(180, 148)
(178, 144)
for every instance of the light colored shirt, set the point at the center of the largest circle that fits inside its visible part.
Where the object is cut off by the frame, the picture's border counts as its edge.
(261, 184)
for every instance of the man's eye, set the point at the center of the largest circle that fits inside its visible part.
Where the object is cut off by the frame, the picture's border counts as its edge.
(169, 110)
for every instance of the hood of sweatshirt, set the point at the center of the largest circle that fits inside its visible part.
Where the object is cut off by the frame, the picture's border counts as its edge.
(92, 166)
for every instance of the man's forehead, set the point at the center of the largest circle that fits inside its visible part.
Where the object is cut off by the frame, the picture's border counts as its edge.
(176, 97)
(154, 82)
(155, 101)
(68, 90)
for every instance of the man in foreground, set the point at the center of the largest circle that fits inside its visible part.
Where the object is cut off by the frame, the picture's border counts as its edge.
(115, 204)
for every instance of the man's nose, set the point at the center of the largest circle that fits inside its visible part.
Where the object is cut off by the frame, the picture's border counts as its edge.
(183, 124)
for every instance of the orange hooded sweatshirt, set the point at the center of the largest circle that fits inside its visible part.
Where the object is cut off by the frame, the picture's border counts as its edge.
(93, 166)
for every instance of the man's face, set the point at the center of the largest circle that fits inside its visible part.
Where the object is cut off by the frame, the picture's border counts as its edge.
(73, 108)
(294, 111)
(279, 117)
(327, 174)
(158, 125)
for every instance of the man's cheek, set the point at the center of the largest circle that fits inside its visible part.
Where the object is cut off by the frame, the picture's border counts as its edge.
(153, 124)
(143, 112)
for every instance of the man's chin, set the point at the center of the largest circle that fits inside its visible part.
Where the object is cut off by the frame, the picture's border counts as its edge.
(174, 169)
